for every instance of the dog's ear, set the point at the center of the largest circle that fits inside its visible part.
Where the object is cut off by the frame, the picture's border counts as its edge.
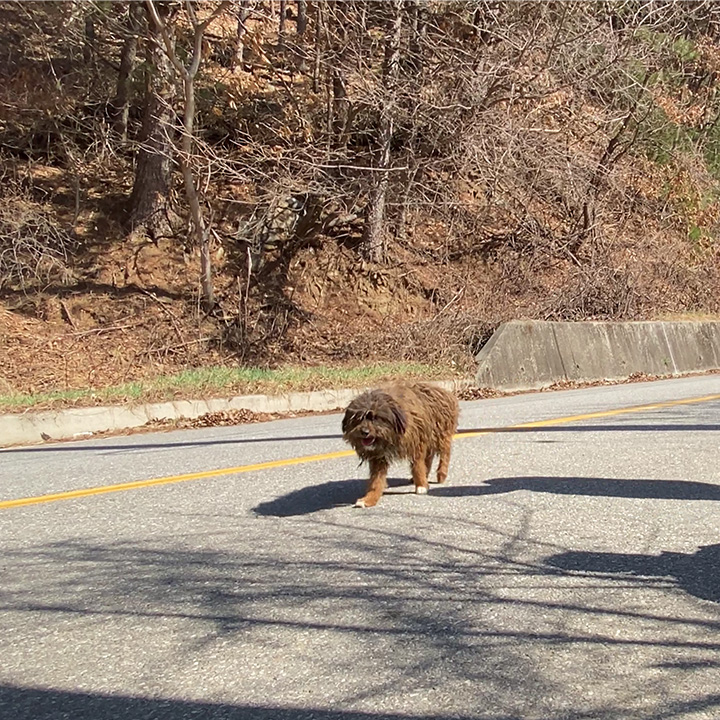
(399, 418)
(348, 421)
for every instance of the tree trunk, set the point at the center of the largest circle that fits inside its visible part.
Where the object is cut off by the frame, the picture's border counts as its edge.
(319, 26)
(201, 234)
(281, 25)
(342, 115)
(89, 40)
(301, 16)
(242, 12)
(150, 198)
(373, 246)
(418, 31)
(120, 104)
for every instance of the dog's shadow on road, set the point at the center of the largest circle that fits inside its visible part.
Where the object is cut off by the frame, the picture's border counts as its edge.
(327, 495)
(337, 493)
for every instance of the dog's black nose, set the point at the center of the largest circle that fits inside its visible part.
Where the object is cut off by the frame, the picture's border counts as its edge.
(364, 432)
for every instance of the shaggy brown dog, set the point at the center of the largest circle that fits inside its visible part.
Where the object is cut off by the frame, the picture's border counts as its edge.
(413, 421)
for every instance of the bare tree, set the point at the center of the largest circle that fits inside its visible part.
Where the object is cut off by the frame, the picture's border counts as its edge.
(188, 73)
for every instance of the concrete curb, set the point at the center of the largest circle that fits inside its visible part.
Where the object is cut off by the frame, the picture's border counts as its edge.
(530, 355)
(29, 427)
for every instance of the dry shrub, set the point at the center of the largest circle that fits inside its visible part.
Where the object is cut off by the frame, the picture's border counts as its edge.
(35, 246)
(446, 339)
(596, 293)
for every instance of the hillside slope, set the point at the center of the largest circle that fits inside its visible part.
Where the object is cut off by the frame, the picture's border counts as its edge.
(552, 161)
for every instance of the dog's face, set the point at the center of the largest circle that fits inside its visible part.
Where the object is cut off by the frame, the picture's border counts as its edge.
(373, 424)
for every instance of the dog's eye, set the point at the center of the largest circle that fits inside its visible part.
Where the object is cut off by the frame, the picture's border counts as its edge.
(369, 415)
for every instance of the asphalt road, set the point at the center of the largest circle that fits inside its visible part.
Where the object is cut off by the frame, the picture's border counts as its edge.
(571, 570)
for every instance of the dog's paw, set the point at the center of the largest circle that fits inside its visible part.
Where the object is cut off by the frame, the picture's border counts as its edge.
(420, 490)
(360, 503)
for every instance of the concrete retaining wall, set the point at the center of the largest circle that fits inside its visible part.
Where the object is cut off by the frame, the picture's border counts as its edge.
(529, 355)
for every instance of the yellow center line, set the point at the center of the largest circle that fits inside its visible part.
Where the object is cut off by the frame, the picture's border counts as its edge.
(121, 487)
(590, 416)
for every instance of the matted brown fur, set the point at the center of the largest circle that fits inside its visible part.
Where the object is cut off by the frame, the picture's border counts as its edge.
(413, 421)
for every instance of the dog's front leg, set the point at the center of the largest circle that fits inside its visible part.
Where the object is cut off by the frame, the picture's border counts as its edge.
(376, 483)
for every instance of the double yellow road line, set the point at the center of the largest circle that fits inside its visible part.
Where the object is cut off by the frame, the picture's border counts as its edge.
(256, 467)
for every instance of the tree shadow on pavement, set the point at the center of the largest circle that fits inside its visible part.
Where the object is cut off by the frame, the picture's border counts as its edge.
(42, 704)
(48, 704)
(697, 573)
(374, 610)
(602, 487)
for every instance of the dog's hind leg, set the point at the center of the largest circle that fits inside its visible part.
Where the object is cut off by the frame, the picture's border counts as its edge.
(419, 472)
(376, 483)
(429, 457)
(444, 464)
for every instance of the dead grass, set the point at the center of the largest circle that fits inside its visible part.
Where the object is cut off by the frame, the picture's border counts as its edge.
(690, 316)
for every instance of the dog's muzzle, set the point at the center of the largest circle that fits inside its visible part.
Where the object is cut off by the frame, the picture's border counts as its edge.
(367, 439)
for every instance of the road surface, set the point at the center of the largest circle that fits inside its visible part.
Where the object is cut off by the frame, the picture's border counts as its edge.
(570, 570)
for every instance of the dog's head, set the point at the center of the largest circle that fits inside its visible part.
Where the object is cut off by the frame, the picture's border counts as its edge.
(373, 424)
